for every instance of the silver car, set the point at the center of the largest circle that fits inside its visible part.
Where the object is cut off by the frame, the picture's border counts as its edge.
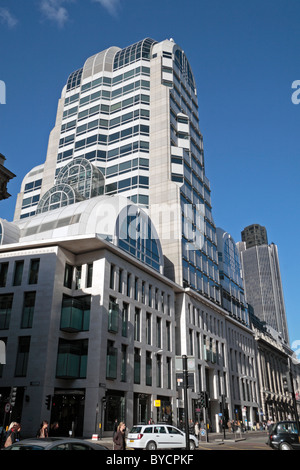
(55, 443)
(158, 436)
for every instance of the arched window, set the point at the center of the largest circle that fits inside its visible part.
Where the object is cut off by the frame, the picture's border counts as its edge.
(59, 196)
(84, 177)
(137, 236)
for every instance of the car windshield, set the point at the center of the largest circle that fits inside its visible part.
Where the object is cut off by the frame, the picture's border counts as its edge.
(24, 447)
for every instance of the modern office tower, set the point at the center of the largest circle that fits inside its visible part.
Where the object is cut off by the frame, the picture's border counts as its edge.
(109, 270)
(232, 288)
(254, 235)
(263, 286)
(129, 117)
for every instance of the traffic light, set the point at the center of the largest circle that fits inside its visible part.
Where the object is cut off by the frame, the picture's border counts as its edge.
(13, 396)
(48, 402)
(286, 381)
(203, 399)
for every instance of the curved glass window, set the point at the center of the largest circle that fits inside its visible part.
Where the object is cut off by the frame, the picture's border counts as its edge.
(84, 177)
(74, 79)
(137, 236)
(184, 67)
(139, 50)
(231, 256)
(59, 196)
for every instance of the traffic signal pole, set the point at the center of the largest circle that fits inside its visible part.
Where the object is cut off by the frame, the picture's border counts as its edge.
(185, 387)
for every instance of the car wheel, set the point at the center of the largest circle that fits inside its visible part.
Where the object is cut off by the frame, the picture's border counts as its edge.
(151, 445)
(285, 446)
(192, 445)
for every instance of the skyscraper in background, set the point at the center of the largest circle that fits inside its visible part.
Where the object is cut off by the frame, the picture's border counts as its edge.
(254, 235)
(262, 279)
(129, 118)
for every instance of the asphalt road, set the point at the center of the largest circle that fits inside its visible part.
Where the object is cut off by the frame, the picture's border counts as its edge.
(251, 440)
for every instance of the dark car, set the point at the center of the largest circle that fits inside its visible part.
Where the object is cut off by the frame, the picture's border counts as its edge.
(284, 436)
(55, 443)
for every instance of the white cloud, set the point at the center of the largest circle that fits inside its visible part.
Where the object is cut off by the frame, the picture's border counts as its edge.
(7, 18)
(110, 5)
(54, 11)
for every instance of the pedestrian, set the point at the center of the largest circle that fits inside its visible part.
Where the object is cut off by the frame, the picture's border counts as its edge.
(54, 429)
(197, 429)
(191, 427)
(43, 431)
(115, 427)
(119, 437)
(12, 435)
(229, 425)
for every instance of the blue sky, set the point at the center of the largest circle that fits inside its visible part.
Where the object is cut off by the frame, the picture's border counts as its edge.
(245, 58)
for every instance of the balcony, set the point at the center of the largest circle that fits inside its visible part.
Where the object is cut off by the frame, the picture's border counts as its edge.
(75, 314)
(111, 363)
(71, 359)
(113, 317)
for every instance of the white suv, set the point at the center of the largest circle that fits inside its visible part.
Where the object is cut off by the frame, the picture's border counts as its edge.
(158, 436)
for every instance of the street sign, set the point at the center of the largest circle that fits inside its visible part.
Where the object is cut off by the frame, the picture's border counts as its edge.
(157, 403)
(180, 380)
(190, 363)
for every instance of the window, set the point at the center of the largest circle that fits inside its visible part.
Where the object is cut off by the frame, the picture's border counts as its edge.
(137, 366)
(33, 271)
(158, 332)
(68, 276)
(150, 296)
(19, 265)
(72, 359)
(168, 328)
(128, 285)
(124, 320)
(28, 309)
(6, 301)
(120, 280)
(148, 328)
(22, 356)
(158, 370)
(75, 313)
(3, 274)
(111, 361)
(89, 277)
(123, 362)
(78, 271)
(113, 315)
(136, 288)
(137, 325)
(169, 373)
(112, 277)
(148, 368)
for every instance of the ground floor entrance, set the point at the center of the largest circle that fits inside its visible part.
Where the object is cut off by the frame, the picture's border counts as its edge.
(68, 410)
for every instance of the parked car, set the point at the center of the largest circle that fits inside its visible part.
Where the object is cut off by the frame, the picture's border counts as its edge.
(158, 436)
(284, 436)
(55, 443)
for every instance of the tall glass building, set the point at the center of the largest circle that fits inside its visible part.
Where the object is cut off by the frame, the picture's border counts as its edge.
(127, 122)
(263, 285)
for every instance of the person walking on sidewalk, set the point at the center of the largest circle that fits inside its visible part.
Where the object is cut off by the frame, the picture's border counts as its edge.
(119, 437)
